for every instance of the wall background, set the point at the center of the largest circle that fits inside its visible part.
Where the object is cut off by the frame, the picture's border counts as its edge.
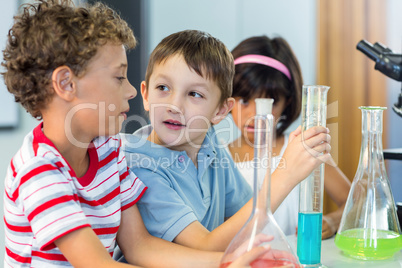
(234, 20)
(231, 21)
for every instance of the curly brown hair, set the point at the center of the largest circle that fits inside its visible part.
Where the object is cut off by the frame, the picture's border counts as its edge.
(53, 33)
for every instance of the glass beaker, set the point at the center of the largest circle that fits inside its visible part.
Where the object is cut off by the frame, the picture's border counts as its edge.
(261, 221)
(369, 228)
(314, 113)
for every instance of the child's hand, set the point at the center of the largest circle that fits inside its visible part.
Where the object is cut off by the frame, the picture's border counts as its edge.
(257, 241)
(247, 258)
(328, 227)
(307, 151)
(243, 258)
(264, 253)
(289, 260)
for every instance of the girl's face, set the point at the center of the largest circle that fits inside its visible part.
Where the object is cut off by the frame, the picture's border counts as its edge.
(243, 114)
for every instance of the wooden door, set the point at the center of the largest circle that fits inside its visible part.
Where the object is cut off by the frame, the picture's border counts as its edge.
(349, 73)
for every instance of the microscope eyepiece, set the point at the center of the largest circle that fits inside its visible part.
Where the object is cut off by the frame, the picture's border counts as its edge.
(368, 49)
(386, 62)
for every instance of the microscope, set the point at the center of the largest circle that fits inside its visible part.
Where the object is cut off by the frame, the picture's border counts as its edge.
(386, 62)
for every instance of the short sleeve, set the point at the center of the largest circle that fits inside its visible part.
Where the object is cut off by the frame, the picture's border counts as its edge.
(163, 211)
(49, 201)
(131, 187)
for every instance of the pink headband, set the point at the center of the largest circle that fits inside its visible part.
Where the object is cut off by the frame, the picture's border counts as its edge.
(264, 60)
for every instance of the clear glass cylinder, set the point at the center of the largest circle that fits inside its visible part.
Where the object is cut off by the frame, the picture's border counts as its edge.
(369, 228)
(314, 113)
(261, 222)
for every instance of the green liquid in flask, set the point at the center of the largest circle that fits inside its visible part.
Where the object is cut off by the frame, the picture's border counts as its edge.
(358, 244)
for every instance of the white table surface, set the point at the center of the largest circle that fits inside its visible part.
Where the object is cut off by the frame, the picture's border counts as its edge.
(331, 256)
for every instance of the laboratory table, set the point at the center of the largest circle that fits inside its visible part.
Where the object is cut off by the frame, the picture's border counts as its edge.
(332, 257)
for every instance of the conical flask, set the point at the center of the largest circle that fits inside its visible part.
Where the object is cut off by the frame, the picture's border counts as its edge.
(314, 113)
(369, 228)
(261, 222)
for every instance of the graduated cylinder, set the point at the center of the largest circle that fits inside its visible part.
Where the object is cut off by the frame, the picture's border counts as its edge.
(314, 113)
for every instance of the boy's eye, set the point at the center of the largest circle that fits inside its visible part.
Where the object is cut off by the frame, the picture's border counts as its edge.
(243, 102)
(121, 78)
(162, 88)
(195, 94)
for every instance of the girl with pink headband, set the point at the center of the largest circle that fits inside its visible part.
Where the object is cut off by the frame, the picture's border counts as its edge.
(268, 68)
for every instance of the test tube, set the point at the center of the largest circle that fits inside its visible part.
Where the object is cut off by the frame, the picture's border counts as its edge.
(314, 113)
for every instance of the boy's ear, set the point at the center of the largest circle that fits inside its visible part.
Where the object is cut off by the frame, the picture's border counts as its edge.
(144, 94)
(62, 82)
(223, 110)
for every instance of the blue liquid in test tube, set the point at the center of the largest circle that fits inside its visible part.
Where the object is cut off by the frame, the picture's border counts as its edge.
(309, 238)
(314, 113)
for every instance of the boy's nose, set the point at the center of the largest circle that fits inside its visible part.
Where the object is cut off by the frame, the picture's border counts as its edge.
(132, 92)
(174, 108)
(176, 104)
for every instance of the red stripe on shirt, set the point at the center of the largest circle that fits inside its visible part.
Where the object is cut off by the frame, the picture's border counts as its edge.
(18, 243)
(12, 213)
(121, 160)
(49, 256)
(105, 231)
(124, 175)
(101, 201)
(59, 164)
(51, 203)
(29, 175)
(17, 257)
(109, 196)
(103, 216)
(71, 173)
(134, 201)
(132, 185)
(35, 147)
(46, 186)
(105, 180)
(104, 142)
(51, 152)
(50, 245)
(108, 159)
(13, 168)
(59, 219)
(8, 196)
(15, 228)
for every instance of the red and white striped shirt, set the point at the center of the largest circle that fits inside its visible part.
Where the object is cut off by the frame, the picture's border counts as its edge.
(44, 199)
